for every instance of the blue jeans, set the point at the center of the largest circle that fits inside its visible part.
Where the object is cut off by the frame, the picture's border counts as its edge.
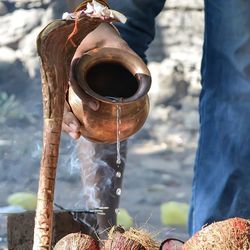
(221, 186)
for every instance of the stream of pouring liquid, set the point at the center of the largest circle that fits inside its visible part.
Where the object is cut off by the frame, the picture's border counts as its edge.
(118, 132)
(118, 145)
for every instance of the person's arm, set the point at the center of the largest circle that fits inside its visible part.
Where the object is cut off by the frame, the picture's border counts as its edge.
(103, 36)
(136, 34)
(139, 30)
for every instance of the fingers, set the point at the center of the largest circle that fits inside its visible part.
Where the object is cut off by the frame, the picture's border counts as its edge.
(68, 130)
(70, 123)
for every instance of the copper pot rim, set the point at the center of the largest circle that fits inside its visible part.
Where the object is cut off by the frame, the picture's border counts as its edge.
(131, 62)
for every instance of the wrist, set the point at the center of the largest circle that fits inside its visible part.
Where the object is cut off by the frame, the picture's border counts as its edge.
(113, 27)
(104, 27)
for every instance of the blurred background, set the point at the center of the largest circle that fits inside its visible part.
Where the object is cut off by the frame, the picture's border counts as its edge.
(159, 170)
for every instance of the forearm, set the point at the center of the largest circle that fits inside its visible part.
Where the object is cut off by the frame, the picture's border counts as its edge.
(139, 30)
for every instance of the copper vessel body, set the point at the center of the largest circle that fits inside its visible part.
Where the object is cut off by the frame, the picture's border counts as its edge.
(118, 80)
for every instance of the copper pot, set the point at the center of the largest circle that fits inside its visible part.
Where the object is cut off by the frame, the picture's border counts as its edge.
(120, 82)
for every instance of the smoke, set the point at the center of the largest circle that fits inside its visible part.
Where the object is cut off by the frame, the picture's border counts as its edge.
(96, 174)
(88, 174)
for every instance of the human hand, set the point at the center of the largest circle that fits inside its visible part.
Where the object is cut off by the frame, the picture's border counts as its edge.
(103, 36)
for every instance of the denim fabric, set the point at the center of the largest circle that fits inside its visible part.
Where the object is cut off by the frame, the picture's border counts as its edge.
(221, 185)
(139, 29)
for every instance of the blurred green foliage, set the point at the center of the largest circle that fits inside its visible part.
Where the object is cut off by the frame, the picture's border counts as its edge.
(174, 213)
(25, 200)
(11, 108)
(124, 219)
